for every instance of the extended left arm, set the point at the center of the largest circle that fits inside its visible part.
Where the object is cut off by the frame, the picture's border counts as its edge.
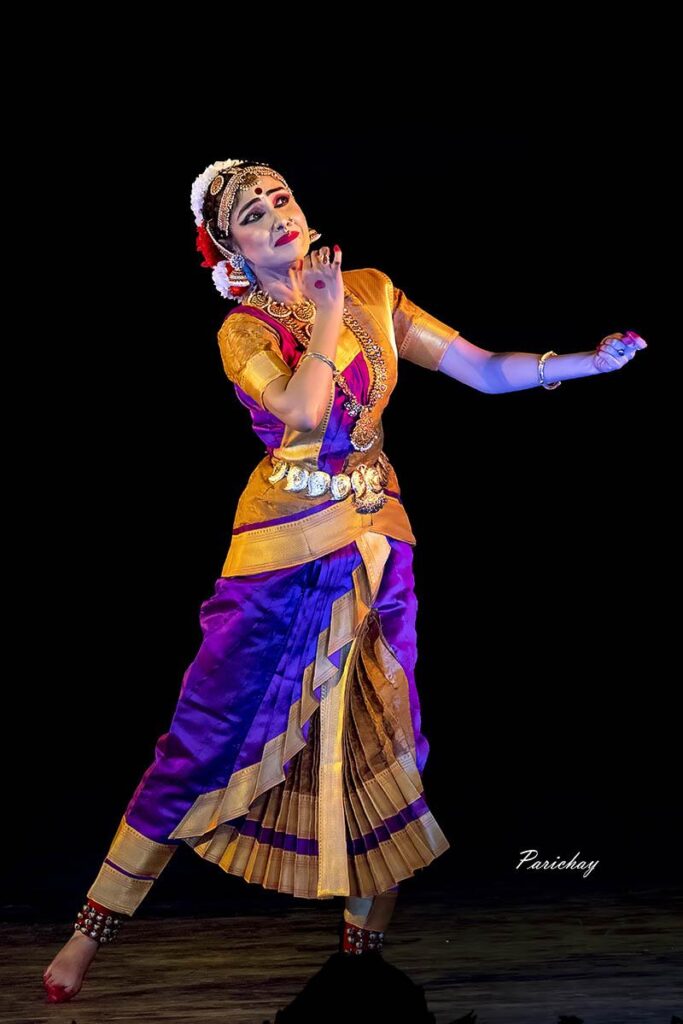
(517, 371)
(496, 373)
(423, 339)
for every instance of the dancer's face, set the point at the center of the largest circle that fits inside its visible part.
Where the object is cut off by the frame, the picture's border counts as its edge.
(260, 216)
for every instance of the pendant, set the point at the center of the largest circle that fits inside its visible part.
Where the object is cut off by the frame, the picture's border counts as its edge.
(364, 434)
(368, 490)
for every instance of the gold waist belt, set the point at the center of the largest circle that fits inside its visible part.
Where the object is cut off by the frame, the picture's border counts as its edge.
(366, 481)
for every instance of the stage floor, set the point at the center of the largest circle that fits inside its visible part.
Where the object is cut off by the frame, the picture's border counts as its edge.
(605, 958)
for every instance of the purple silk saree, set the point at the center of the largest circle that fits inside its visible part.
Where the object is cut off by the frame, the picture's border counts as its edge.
(294, 755)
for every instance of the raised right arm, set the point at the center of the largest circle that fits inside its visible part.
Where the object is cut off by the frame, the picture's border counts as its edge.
(252, 359)
(307, 393)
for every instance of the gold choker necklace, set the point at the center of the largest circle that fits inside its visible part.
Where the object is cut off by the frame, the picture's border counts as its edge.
(297, 317)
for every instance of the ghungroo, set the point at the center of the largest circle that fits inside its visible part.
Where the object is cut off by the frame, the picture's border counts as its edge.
(97, 921)
(356, 940)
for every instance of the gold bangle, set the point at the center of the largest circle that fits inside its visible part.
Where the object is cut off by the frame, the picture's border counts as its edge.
(541, 372)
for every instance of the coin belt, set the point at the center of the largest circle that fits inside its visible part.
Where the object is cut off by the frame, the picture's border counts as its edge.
(366, 482)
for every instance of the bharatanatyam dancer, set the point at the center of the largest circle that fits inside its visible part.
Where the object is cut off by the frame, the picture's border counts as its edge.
(295, 755)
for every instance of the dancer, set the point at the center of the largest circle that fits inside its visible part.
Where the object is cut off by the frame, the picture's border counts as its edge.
(295, 754)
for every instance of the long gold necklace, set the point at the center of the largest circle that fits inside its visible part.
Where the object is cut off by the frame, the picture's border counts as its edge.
(299, 318)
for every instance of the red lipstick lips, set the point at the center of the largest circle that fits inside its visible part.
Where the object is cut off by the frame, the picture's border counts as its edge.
(289, 237)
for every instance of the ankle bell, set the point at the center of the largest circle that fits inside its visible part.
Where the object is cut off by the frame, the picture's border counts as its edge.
(97, 921)
(358, 941)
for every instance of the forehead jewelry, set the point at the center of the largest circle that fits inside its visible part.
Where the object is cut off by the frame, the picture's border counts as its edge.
(240, 181)
(232, 276)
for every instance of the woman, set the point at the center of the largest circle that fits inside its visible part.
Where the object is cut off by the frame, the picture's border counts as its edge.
(294, 756)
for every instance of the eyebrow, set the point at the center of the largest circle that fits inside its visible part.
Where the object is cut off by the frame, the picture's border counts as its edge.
(252, 201)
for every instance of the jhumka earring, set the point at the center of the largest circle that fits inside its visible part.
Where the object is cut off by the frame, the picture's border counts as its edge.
(241, 275)
(238, 270)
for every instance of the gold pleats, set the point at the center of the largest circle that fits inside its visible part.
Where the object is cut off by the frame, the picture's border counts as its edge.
(392, 830)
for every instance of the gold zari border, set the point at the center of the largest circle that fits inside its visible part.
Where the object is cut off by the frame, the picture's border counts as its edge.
(300, 540)
(134, 853)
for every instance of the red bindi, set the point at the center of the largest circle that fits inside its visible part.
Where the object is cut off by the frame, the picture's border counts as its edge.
(259, 191)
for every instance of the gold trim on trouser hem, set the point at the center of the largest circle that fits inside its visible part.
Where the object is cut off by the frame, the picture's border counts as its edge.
(333, 858)
(133, 852)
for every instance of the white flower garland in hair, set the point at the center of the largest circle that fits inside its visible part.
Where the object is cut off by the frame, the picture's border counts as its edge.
(200, 185)
(202, 182)
(220, 277)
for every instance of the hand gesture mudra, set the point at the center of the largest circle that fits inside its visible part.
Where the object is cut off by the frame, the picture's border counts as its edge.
(320, 279)
(615, 350)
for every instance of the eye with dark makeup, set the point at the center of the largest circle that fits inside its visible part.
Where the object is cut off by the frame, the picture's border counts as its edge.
(246, 219)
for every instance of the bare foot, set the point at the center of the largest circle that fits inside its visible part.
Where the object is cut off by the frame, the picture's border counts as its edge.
(64, 977)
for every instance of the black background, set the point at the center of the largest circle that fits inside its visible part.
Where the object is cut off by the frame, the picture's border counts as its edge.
(544, 519)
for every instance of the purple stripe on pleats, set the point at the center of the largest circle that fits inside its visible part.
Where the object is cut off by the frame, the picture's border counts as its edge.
(279, 840)
(371, 840)
(113, 864)
(294, 844)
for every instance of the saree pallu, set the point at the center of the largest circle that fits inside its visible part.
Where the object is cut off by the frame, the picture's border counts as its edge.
(295, 753)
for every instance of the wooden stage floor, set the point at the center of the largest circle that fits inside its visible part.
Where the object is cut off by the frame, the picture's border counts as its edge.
(611, 958)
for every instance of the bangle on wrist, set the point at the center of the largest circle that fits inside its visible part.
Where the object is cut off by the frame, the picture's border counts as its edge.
(541, 372)
(319, 355)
